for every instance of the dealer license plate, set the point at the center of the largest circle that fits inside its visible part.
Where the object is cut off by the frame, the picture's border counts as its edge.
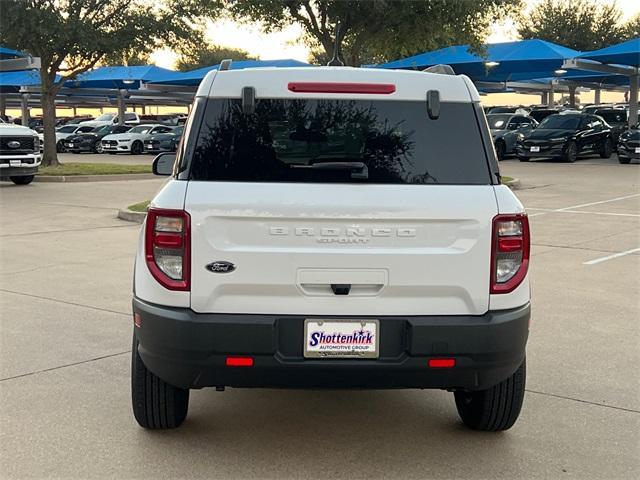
(535, 149)
(341, 338)
(637, 149)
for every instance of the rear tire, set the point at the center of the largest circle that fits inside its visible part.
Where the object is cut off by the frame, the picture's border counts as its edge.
(137, 148)
(23, 180)
(624, 161)
(570, 152)
(523, 159)
(496, 408)
(60, 148)
(156, 404)
(607, 149)
(97, 147)
(501, 149)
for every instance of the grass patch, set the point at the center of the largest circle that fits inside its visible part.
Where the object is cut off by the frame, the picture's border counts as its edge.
(139, 207)
(93, 169)
(506, 179)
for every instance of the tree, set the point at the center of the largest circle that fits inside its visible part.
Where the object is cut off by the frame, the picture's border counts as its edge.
(200, 55)
(72, 36)
(579, 24)
(632, 28)
(377, 30)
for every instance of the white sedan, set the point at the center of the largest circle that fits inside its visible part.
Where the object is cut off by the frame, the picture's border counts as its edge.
(132, 141)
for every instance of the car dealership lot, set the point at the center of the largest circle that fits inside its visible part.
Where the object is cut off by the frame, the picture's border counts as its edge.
(65, 289)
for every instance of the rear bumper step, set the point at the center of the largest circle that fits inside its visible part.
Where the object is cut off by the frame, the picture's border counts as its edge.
(189, 350)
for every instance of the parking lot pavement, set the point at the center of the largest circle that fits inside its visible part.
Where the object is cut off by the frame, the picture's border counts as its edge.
(65, 283)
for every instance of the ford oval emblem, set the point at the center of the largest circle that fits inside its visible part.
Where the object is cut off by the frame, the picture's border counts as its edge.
(13, 144)
(221, 267)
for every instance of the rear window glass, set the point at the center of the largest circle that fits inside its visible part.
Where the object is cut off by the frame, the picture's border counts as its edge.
(359, 141)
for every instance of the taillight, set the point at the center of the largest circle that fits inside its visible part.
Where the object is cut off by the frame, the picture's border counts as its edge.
(509, 252)
(168, 247)
(332, 87)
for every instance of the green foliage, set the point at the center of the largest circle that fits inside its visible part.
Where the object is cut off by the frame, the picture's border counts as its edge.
(200, 55)
(72, 36)
(93, 169)
(579, 24)
(632, 28)
(378, 30)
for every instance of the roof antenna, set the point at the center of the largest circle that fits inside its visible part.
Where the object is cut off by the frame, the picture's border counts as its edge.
(335, 61)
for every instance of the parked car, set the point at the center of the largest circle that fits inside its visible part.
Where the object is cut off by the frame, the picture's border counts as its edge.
(92, 141)
(540, 114)
(617, 119)
(132, 141)
(328, 234)
(505, 129)
(19, 153)
(629, 145)
(164, 142)
(66, 131)
(172, 119)
(565, 137)
(519, 110)
(73, 120)
(130, 118)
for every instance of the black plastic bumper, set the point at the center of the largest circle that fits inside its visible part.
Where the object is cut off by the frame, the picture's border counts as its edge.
(6, 173)
(189, 350)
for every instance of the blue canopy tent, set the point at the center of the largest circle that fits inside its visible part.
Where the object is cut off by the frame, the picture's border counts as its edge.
(194, 77)
(10, 82)
(625, 53)
(622, 59)
(118, 77)
(509, 61)
(10, 53)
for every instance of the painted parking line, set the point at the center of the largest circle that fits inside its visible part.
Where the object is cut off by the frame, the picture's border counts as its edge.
(543, 211)
(609, 257)
(549, 210)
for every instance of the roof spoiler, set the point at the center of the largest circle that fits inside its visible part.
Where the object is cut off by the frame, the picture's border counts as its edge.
(442, 69)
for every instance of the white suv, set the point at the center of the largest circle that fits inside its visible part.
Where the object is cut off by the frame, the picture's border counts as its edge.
(333, 227)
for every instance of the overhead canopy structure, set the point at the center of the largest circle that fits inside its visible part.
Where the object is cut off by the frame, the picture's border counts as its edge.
(10, 53)
(118, 77)
(194, 77)
(622, 59)
(11, 82)
(509, 61)
(625, 53)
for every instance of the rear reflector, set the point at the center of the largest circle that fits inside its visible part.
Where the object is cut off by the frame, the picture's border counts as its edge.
(239, 362)
(442, 362)
(321, 87)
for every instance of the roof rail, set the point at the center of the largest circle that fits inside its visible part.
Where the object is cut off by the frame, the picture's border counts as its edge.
(225, 64)
(442, 69)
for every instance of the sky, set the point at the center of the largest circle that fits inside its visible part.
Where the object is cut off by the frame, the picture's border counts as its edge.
(286, 44)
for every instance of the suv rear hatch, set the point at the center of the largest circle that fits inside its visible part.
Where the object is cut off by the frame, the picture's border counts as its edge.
(331, 206)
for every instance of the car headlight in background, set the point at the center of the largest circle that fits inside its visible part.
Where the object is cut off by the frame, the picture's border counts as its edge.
(520, 137)
(557, 140)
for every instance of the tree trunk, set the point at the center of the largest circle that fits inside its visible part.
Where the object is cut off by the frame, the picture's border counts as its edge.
(50, 157)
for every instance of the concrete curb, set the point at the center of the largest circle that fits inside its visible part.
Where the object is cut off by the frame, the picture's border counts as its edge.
(93, 178)
(513, 184)
(131, 216)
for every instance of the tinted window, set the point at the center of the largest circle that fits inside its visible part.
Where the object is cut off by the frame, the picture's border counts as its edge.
(85, 129)
(339, 141)
(613, 116)
(68, 129)
(563, 122)
(105, 117)
(141, 129)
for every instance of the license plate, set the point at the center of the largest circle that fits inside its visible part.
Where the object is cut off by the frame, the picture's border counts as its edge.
(637, 149)
(341, 338)
(14, 163)
(535, 149)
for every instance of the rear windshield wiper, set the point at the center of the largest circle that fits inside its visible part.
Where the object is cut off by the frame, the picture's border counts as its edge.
(358, 169)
